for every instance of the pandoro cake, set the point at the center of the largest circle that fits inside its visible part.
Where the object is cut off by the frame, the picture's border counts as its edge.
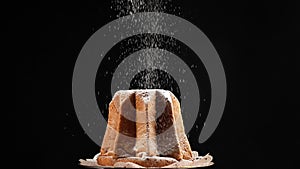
(145, 129)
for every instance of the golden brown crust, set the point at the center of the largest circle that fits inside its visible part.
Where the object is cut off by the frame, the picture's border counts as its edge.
(183, 141)
(149, 161)
(144, 124)
(146, 162)
(127, 165)
(106, 160)
(142, 161)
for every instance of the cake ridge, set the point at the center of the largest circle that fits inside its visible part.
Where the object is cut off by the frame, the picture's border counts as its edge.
(145, 123)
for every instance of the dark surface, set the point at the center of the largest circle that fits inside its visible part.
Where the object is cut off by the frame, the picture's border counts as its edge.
(257, 43)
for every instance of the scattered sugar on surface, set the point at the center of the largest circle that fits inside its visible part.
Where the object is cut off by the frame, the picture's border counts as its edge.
(167, 95)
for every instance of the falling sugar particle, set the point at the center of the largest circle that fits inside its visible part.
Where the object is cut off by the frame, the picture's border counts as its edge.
(151, 58)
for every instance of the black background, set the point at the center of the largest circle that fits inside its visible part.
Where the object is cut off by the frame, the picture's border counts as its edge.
(257, 43)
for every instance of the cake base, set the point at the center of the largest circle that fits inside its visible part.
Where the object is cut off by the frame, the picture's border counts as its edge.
(133, 162)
